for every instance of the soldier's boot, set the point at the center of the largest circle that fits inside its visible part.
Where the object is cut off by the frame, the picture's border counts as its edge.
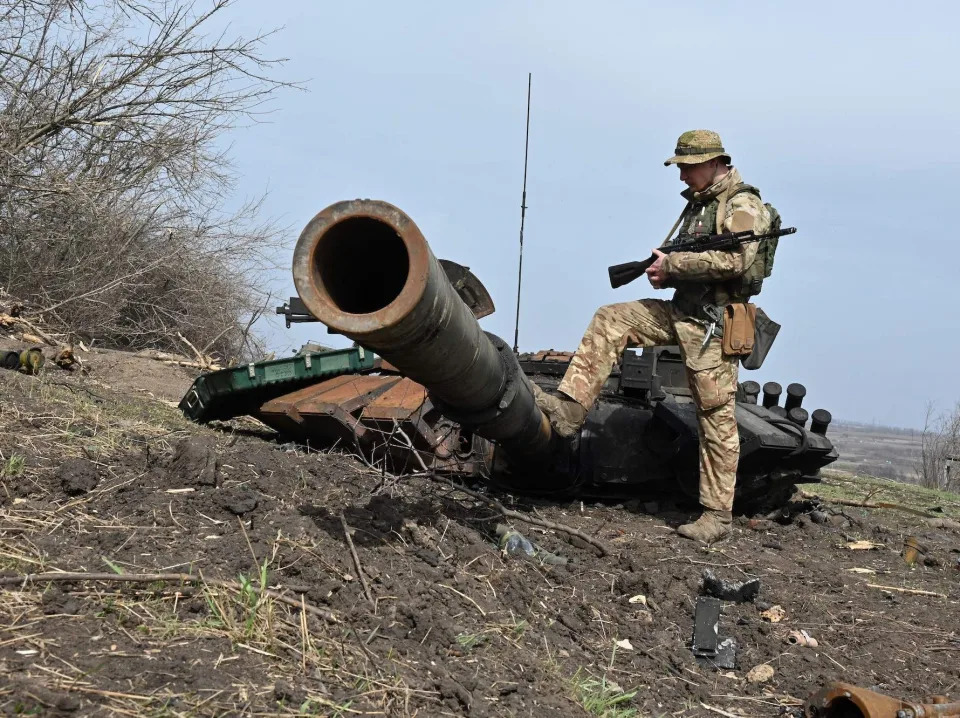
(566, 415)
(712, 526)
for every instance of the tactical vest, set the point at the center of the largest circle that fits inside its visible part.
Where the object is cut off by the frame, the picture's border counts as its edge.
(701, 219)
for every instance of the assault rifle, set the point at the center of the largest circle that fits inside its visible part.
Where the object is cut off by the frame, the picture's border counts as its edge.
(621, 274)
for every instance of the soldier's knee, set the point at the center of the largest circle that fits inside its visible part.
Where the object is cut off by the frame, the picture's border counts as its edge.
(608, 313)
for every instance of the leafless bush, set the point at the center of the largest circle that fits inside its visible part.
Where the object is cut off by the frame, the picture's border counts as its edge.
(939, 465)
(112, 181)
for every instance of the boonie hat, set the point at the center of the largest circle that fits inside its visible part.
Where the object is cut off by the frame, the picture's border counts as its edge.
(697, 146)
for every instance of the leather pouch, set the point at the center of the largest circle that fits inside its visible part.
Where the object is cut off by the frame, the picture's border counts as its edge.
(739, 329)
(766, 332)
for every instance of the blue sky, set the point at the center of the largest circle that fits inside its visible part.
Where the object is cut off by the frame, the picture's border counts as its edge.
(844, 114)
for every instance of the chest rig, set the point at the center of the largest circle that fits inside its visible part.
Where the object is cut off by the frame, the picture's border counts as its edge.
(701, 219)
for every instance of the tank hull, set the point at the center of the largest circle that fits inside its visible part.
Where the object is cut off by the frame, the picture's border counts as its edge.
(447, 397)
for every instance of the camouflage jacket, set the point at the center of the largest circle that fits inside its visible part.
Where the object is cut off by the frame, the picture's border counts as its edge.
(707, 277)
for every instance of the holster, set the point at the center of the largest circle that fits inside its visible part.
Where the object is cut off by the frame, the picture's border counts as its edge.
(764, 334)
(739, 329)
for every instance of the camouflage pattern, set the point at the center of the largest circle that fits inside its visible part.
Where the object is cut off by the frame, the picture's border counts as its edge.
(709, 276)
(697, 146)
(712, 377)
(699, 278)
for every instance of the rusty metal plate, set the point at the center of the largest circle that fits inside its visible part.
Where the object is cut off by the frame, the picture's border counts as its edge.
(282, 404)
(398, 402)
(348, 396)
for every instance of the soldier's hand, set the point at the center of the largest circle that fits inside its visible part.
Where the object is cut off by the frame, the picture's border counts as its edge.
(656, 272)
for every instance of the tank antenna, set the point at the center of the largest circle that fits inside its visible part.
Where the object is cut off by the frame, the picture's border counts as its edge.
(523, 215)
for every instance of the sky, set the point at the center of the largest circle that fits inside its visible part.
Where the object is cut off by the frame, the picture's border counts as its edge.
(845, 115)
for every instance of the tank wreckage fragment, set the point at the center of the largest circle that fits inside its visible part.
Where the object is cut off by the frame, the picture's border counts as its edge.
(443, 395)
(843, 700)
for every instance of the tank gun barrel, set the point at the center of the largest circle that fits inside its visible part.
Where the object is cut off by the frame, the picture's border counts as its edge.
(363, 268)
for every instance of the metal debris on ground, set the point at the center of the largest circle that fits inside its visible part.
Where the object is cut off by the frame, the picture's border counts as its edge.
(514, 543)
(845, 699)
(912, 550)
(737, 591)
(709, 648)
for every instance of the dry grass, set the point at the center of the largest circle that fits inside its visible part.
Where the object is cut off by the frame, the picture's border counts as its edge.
(70, 641)
(870, 489)
(148, 620)
(241, 616)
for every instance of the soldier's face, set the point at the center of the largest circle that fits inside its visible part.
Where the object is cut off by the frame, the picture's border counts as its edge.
(699, 176)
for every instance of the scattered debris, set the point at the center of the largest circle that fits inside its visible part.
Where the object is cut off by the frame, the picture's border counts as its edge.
(912, 550)
(760, 674)
(774, 614)
(514, 543)
(624, 644)
(801, 638)
(863, 545)
(912, 591)
(31, 360)
(839, 698)
(65, 358)
(857, 569)
(737, 591)
(710, 650)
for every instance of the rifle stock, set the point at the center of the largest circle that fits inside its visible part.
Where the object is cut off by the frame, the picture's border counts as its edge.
(625, 273)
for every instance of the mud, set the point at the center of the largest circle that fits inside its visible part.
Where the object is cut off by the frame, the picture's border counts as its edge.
(432, 619)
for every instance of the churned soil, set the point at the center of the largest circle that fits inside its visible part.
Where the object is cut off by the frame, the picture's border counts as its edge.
(389, 595)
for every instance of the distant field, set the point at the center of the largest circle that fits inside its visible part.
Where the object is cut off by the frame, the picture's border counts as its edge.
(881, 451)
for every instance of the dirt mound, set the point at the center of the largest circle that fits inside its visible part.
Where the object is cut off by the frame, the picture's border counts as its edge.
(215, 571)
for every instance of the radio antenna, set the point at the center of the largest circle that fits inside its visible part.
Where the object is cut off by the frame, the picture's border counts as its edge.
(523, 215)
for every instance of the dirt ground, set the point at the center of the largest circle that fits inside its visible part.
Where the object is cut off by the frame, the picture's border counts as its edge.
(104, 479)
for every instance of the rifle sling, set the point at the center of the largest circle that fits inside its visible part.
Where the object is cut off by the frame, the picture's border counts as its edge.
(676, 224)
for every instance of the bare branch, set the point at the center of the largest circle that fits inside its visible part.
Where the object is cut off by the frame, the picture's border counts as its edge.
(113, 172)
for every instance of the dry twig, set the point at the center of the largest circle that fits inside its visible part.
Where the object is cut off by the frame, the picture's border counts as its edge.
(356, 562)
(911, 591)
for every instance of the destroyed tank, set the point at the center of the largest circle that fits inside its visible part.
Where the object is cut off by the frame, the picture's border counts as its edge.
(442, 395)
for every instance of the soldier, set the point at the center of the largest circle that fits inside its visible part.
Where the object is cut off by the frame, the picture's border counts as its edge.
(717, 201)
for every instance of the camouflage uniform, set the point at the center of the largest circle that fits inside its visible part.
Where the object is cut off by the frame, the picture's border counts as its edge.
(700, 278)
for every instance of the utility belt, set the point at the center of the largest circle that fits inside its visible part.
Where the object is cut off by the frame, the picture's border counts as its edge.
(743, 328)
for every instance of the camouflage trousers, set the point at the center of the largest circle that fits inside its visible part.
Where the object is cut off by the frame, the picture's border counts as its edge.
(711, 375)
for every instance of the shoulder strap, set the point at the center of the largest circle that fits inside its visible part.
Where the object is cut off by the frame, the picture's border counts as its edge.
(744, 187)
(676, 224)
